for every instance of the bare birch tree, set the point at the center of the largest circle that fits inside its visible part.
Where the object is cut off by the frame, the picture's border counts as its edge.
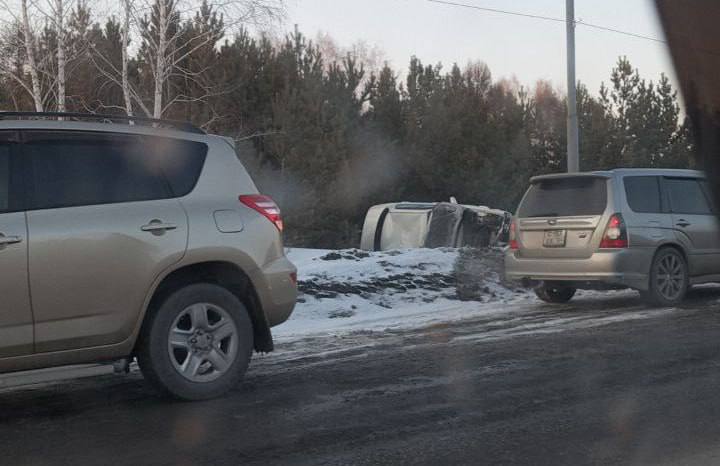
(165, 44)
(162, 58)
(30, 53)
(120, 75)
(56, 13)
(166, 47)
(50, 71)
(59, 20)
(127, 96)
(19, 40)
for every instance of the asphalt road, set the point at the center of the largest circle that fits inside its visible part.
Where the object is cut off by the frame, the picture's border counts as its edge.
(601, 381)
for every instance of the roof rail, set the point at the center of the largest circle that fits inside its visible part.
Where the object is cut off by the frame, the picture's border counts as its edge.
(172, 124)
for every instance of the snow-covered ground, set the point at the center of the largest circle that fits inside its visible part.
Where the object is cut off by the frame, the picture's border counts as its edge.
(349, 290)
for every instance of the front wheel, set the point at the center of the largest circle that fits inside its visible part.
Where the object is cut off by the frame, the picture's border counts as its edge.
(668, 279)
(198, 344)
(555, 294)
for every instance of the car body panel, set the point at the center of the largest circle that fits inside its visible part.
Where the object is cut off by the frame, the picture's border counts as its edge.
(369, 239)
(581, 240)
(16, 322)
(404, 229)
(257, 250)
(90, 267)
(700, 239)
(626, 267)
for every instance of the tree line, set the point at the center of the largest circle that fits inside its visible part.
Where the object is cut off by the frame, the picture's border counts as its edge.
(329, 133)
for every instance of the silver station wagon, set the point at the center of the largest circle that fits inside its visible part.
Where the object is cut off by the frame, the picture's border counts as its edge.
(651, 230)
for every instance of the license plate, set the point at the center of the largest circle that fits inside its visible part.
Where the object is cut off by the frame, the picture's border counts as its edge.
(554, 238)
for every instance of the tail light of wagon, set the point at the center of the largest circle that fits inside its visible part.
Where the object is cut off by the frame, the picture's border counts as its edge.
(264, 205)
(615, 236)
(513, 242)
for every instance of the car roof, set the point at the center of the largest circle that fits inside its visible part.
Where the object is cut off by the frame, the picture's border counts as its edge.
(104, 127)
(624, 172)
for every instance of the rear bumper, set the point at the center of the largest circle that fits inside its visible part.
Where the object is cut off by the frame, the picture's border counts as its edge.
(626, 267)
(276, 291)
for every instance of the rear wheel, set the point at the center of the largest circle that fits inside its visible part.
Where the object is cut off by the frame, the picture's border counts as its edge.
(198, 344)
(554, 293)
(668, 279)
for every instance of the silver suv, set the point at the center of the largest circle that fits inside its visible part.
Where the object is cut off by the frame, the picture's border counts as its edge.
(129, 240)
(646, 229)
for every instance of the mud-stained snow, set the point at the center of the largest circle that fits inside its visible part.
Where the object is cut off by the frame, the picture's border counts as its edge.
(348, 290)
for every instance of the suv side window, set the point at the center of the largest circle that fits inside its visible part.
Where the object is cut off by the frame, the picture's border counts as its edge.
(686, 196)
(75, 169)
(643, 194)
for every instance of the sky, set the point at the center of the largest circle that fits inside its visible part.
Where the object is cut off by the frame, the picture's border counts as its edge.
(525, 48)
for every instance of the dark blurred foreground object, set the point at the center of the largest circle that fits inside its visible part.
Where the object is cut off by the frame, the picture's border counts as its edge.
(693, 32)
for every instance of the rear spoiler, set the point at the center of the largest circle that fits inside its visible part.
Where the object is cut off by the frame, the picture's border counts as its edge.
(559, 176)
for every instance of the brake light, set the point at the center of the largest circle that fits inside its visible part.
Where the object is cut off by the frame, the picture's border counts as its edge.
(514, 245)
(615, 234)
(264, 205)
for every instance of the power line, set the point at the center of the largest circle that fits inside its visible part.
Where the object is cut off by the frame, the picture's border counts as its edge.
(495, 10)
(548, 18)
(618, 31)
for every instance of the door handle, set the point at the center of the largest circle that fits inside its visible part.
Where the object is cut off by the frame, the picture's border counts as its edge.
(158, 227)
(5, 240)
(682, 223)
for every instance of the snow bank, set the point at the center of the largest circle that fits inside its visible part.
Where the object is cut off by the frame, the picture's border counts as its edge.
(352, 290)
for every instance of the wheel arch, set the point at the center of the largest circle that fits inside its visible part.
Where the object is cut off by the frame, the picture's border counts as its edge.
(673, 245)
(656, 298)
(225, 274)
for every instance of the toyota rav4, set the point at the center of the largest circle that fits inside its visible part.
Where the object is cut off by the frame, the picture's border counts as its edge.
(122, 240)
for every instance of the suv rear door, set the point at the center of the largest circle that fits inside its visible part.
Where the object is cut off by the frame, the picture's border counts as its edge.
(102, 224)
(647, 215)
(16, 324)
(560, 216)
(695, 224)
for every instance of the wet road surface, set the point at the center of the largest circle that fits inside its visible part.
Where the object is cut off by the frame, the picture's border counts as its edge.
(598, 381)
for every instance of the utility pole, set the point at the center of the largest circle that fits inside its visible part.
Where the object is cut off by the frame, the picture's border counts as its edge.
(573, 146)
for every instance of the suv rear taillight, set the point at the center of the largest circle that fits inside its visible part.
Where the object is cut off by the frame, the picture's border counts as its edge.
(615, 236)
(265, 205)
(513, 242)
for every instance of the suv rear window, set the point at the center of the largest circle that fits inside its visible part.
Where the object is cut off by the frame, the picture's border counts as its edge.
(181, 162)
(643, 194)
(565, 197)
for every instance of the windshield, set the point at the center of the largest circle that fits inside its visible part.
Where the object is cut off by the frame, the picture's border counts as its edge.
(565, 197)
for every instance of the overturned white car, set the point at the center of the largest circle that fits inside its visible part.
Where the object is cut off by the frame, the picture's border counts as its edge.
(433, 224)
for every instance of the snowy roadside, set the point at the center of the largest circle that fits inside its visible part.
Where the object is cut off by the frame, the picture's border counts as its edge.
(351, 290)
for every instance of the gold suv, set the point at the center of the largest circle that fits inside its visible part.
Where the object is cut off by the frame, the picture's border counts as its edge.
(146, 240)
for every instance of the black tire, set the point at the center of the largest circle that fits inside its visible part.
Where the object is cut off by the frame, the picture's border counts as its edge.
(155, 358)
(555, 294)
(657, 293)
